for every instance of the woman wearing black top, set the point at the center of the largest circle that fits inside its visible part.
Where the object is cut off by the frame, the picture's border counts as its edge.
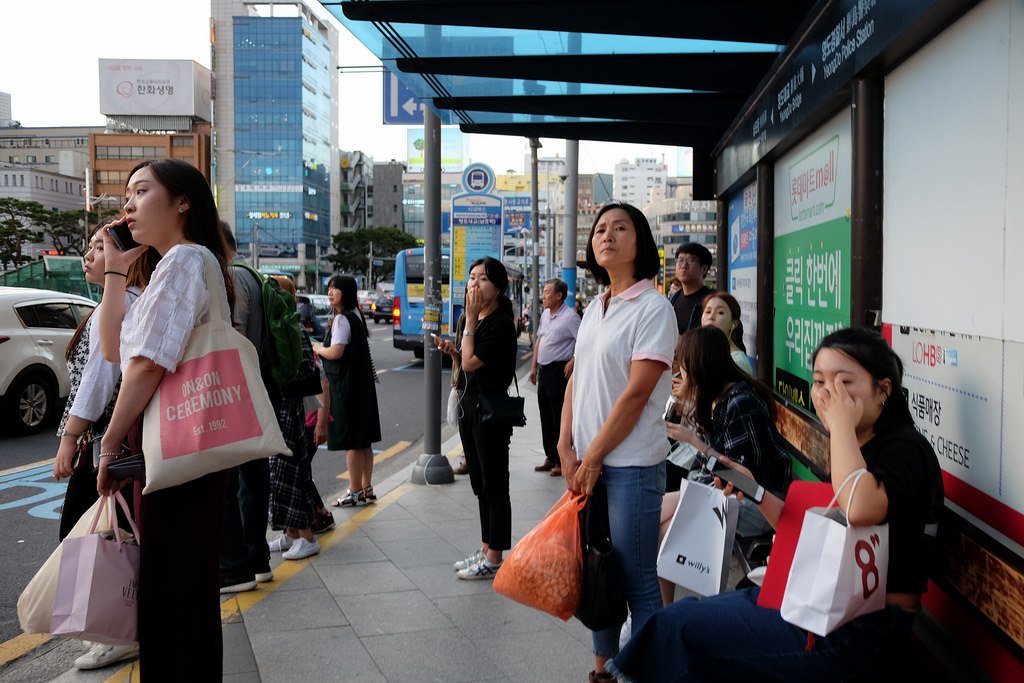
(487, 359)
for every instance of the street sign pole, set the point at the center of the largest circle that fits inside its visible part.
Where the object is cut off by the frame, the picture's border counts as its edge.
(432, 467)
(535, 236)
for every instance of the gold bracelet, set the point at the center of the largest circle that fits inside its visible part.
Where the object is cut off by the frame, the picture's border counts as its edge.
(111, 455)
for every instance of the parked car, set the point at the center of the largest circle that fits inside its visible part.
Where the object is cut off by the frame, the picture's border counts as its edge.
(315, 310)
(36, 326)
(365, 297)
(382, 309)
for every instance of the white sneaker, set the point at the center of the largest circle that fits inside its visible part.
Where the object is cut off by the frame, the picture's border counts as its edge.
(279, 545)
(469, 561)
(102, 655)
(482, 570)
(301, 549)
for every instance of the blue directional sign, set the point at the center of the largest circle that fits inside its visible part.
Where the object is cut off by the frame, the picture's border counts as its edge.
(401, 106)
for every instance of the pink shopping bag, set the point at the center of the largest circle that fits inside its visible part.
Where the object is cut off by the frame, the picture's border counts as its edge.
(97, 585)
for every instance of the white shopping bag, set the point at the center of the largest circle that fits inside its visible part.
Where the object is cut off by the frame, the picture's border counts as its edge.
(839, 571)
(695, 551)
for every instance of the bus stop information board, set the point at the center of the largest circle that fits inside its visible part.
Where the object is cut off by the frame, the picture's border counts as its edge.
(812, 253)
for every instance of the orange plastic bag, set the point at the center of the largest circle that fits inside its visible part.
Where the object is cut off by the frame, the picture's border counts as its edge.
(545, 569)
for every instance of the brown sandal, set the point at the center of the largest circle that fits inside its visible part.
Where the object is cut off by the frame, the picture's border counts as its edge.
(596, 676)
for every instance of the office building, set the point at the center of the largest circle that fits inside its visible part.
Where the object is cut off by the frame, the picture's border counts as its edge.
(356, 190)
(635, 181)
(276, 158)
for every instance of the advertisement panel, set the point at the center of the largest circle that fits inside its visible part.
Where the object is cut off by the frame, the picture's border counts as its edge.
(154, 87)
(965, 393)
(812, 252)
(742, 219)
(452, 149)
(517, 215)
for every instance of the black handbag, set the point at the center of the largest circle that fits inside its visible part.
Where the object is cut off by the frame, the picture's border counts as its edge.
(602, 597)
(499, 409)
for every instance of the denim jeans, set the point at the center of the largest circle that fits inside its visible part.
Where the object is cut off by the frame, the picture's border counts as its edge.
(634, 516)
(729, 638)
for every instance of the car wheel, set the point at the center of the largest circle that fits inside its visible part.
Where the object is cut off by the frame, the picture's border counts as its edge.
(31, 403)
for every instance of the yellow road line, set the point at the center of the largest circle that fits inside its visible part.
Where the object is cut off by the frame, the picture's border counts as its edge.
(22, 468)
(232, 608)
(383, 455)
(19, 645)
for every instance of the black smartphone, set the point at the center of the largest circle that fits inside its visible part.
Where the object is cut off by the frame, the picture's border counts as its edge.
(122, 236)
(741, 482)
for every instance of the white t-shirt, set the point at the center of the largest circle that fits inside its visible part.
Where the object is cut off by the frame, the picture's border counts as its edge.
(341, 330)
(639, 324)
(99, 376)
(159, 324)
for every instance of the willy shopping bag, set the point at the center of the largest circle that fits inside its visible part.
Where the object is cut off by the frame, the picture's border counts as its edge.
(35, 605)
(695, 551)
(213, 411)
(839, 571)
(97, 585)
(543, 570)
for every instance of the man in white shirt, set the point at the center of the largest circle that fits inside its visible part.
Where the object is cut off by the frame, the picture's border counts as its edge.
(553, 360)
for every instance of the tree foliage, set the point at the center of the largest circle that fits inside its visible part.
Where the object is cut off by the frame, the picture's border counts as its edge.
(352, 249)
(20, 222)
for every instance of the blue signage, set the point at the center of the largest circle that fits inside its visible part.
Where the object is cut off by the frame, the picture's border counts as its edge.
(517, 215)
(743, 229)
(401, 106)
(478, 179)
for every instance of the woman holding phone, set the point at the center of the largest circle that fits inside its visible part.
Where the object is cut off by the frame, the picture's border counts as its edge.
(169, 207)
(486, 358)
(858, 395)
(611, 435)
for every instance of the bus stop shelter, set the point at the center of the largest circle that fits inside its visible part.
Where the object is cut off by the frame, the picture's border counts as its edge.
(863, 155)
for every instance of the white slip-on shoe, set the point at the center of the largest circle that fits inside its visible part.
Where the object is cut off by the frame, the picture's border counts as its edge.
(101, 655)
(279, 545)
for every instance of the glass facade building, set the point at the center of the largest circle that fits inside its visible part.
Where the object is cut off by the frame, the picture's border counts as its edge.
(282, 136)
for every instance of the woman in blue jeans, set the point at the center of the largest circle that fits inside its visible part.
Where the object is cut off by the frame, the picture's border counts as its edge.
(858, 396)
(623, 350)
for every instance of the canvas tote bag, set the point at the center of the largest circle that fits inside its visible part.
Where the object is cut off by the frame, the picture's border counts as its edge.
(695, 551)
(839, 571)
(212, 412)
(98, 583)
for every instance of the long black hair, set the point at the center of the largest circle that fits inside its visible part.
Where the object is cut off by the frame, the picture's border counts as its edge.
(346, 284)
(870, 350)
(647, 263)
(498, 276)
(705, 357)
(202, 222)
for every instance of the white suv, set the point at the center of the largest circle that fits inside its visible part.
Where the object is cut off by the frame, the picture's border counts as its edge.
(35, 328)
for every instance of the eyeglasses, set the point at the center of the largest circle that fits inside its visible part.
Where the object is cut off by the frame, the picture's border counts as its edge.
(688, 260)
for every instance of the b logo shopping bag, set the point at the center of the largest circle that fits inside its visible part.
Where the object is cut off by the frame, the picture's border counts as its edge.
(839, 571)
(213, 411)
(695, 551)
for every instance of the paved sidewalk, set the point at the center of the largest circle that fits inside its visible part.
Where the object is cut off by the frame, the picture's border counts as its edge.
(381, 602)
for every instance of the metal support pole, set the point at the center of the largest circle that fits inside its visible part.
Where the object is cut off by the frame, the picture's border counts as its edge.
(572, 161)
(535, 236)
(432, 467)
(866, 203)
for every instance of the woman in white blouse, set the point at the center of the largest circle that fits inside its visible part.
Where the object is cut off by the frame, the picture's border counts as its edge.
(170, 207)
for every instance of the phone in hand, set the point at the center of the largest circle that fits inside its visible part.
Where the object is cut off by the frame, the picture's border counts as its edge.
(121, 234)
(741, 482)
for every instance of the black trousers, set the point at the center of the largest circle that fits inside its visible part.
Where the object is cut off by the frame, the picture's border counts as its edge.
(179, 583)
(551, 384)
(244, 529)
(486, 449)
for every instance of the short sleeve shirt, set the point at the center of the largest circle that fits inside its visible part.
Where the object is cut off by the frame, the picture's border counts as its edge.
(160, 323)
(558, 332)
(638, 324)
(341, 330)
(495, 345)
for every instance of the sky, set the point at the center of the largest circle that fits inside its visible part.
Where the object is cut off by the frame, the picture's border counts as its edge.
(49, 52)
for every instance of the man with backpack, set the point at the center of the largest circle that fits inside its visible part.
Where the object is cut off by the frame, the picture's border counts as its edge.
(267, 320)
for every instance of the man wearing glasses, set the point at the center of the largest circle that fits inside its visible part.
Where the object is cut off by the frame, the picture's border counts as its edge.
(692, 264)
